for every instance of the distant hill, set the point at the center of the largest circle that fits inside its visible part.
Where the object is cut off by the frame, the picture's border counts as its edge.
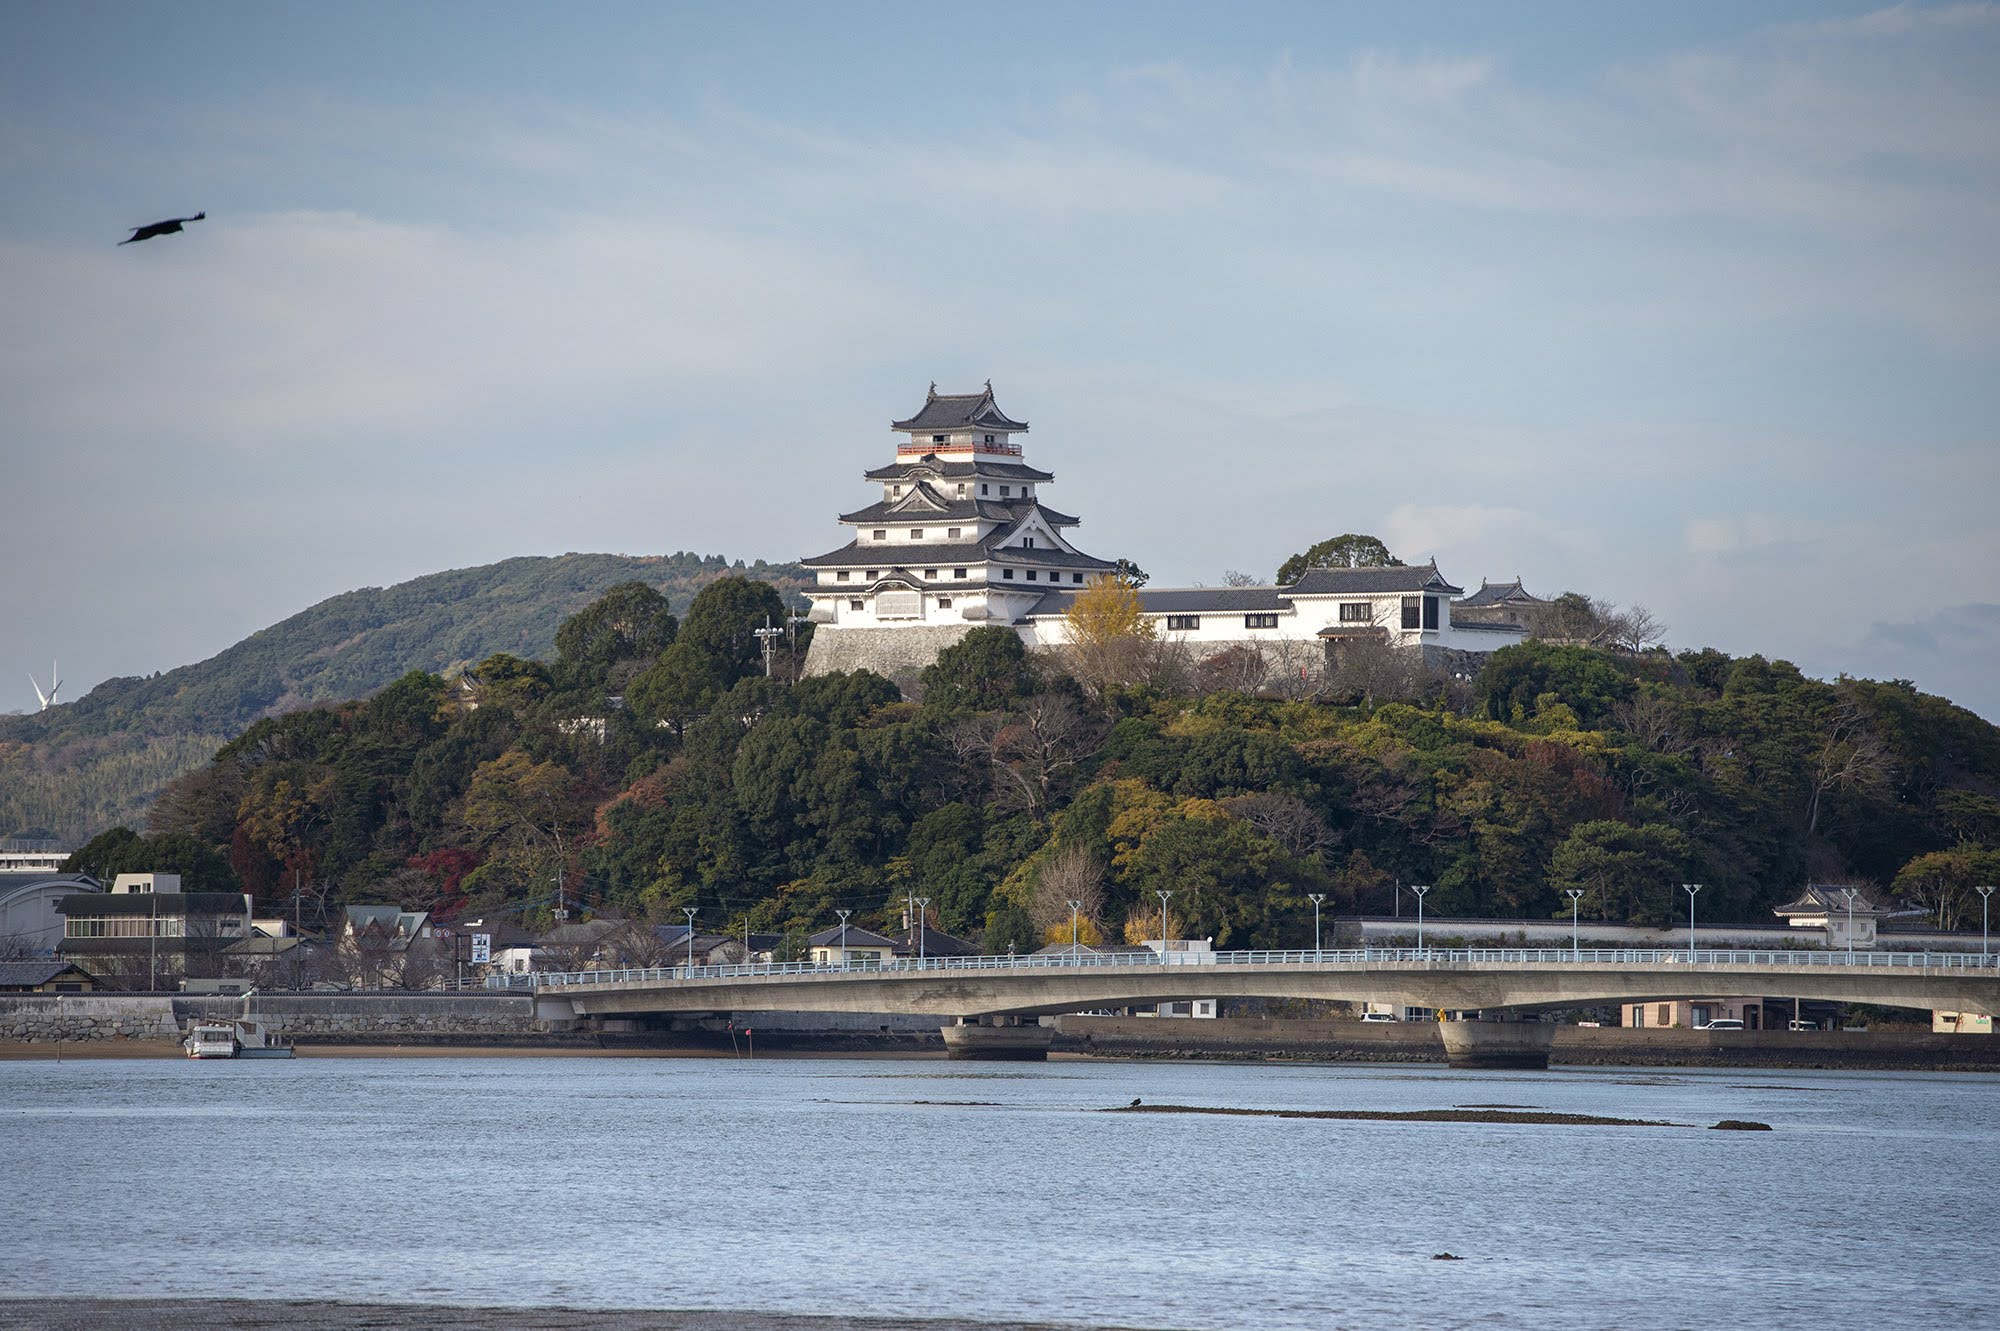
(81, 767)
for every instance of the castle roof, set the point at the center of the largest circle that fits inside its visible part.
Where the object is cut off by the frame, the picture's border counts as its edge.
(940, 509)
(960, 411)
(1499, 593)
(952, 469)
(1361, 581)
(985, 550)
(1183, 600)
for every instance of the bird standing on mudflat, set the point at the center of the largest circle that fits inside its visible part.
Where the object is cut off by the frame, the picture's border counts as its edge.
(166, 228)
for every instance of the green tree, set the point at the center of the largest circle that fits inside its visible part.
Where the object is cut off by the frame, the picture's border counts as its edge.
(1349, 550)
(1625, 872)
(716, 646)
(1515, 681)
(630, 624)
(986, 669)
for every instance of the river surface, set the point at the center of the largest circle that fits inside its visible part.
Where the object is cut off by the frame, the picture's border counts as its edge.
(825, 1186)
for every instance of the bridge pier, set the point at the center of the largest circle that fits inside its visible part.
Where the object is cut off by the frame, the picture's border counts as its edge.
(1497, 1044)
(998, 1038)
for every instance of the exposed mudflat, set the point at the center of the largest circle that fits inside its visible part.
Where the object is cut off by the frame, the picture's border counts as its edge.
(1411, 1115)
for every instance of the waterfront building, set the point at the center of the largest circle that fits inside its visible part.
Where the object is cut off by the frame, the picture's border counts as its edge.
(850, 944)
(45, 977)
(146, 932)
(960, 537)
(30, 901)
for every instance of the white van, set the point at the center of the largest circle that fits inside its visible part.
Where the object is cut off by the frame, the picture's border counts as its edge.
(1724, 1024)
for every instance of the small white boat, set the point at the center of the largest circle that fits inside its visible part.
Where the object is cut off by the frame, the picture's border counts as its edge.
(234, 1039)
(211, 1039)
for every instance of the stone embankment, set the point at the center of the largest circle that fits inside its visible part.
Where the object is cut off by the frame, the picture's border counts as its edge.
(1269, 1039)
(349, 1018)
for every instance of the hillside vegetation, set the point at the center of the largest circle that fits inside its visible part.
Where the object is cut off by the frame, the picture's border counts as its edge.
(81, 767)
(1008, 790)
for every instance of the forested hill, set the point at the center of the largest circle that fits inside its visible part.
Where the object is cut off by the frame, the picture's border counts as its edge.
(1014, 785)
(80, 767)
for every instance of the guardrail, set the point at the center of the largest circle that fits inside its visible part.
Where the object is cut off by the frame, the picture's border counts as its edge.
(1554, 957)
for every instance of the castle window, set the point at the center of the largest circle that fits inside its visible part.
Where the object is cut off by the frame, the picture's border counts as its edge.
(1267, 620)
(1006, 490)
(879, 534)
(871, 574)
(1183, 622)
(1413, 612)
(953, 532)
(916, 533)
(958, 573)
(1031, 575)
(1027, 542)
(989, 438)
(930, 573)
(842, 576)
(1076, 577)
(1357, 612)
(985, 488)
(937, 438)
(1430, 612)
(961, 489)
(1007, 573)
(944, 603)
(854, 605)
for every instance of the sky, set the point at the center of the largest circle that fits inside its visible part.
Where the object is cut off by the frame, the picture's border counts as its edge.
(1691, 306)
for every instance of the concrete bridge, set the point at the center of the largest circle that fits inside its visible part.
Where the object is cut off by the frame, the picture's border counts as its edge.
(990, 1003)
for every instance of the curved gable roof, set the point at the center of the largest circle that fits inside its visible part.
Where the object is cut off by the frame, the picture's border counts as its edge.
(960, 411)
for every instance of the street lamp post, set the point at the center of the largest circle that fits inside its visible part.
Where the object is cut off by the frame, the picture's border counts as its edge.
(1163, 894)
(1315, 898)
(1575, 895)
(923, 903)
(843, 914)
(1690, 889)
(1850, 893)
(689, 911)
(1984, 893)
(1420, 913)
(1075, 927)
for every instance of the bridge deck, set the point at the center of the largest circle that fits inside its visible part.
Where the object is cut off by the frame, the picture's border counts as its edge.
(1454, 978)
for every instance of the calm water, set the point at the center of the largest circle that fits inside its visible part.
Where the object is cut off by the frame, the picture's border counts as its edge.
(821, 1186)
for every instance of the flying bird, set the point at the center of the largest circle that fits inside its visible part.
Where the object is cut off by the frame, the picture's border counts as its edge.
(166, 228)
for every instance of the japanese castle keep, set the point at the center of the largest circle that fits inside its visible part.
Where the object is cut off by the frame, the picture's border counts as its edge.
(960, 538)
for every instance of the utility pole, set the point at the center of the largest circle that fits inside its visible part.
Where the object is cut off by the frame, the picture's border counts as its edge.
(765, 636)
(843, 914)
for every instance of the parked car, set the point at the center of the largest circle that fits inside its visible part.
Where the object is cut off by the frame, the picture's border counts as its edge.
(1724, 1024)
(1801, 1025)
(1377, 1016)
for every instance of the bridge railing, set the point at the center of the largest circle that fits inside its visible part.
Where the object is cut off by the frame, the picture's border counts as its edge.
(1086, 960)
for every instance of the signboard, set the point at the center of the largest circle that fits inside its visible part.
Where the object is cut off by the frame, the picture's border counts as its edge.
(482, 949)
